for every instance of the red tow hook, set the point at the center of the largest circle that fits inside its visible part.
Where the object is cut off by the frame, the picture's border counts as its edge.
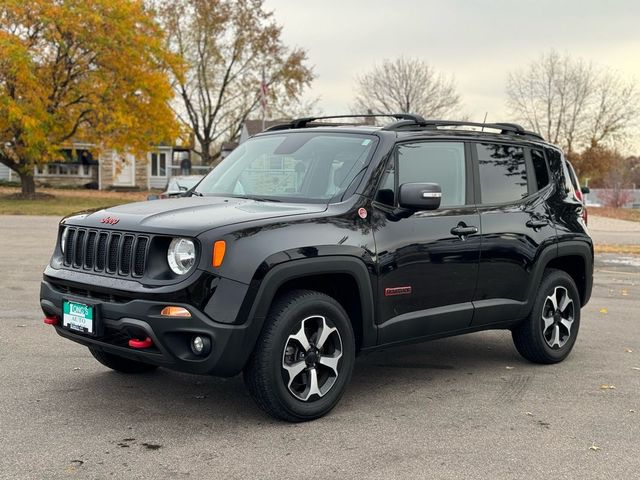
(135, 343)
(51, 320)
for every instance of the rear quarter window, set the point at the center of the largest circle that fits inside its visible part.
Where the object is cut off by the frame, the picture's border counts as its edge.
(503, 173)
(540, 169)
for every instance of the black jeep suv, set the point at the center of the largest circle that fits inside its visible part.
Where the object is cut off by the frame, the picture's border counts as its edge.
(314, 242)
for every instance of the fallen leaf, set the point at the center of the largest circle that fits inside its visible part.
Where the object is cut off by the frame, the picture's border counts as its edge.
(607, 387)
(604, 310)
(21, 326)
(635, 368)
(76, 368)
(632, 411)
(625, 292)
(628, 350)
(529, 413)
(594, 447)
(510, 368)
(152, 446)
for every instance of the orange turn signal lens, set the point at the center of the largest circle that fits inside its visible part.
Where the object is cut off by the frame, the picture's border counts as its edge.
(175, 312)
(219, 249)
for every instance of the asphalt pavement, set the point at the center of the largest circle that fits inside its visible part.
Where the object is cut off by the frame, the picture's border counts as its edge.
(613, 231)
(467, 407)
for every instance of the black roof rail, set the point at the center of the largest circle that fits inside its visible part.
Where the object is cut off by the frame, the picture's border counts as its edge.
(304, 122)
(505, 128)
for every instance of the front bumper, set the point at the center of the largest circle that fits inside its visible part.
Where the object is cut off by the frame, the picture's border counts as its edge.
(122, 315)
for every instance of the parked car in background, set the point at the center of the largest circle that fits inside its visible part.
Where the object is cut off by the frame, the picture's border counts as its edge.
(177, 186)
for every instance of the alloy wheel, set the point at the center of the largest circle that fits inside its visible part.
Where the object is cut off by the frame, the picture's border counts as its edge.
(558, 313)
(310, 358)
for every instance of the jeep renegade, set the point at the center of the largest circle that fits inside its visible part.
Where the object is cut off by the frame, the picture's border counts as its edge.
(314, 242)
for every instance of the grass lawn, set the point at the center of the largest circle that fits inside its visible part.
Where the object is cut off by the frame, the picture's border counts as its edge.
(623, 249)
(632, 214)
(63, 202)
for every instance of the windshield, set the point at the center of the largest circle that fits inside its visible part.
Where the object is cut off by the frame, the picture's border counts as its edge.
(306, 167)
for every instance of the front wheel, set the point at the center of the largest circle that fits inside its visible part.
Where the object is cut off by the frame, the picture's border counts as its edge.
(550, 331)
(304, 357)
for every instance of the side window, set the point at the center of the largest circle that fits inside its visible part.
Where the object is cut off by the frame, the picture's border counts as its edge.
(540, 169)
(503, 175)
(435, 162)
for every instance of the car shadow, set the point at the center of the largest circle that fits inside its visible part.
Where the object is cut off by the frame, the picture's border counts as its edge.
(172, 397)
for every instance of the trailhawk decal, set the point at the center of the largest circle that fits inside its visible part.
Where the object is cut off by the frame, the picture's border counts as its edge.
(391, 292)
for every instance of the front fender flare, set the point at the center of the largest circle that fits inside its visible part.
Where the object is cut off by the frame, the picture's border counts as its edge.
(257, 306)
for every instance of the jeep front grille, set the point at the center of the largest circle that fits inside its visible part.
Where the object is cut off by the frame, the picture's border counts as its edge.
(114, 253)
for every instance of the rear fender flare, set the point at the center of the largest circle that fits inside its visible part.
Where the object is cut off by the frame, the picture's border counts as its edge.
(558, 250)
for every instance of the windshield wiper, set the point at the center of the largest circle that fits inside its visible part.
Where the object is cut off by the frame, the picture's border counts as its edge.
(196, 194)
(259, 199)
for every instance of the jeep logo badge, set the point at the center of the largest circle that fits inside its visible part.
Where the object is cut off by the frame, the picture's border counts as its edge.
(110, 220)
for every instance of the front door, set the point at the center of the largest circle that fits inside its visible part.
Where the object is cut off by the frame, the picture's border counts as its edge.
(124, 170)
(427, 265)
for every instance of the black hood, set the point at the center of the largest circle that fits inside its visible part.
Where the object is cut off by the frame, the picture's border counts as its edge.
(188, 216)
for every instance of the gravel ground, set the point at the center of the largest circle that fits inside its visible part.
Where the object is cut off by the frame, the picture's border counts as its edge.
(467, 407)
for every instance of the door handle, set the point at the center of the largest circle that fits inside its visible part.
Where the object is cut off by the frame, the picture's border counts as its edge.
(462, 230)
(537, 223)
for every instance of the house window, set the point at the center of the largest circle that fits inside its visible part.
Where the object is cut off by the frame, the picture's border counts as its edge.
(159, 164)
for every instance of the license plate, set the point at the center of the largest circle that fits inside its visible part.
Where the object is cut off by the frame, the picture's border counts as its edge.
(78, 317)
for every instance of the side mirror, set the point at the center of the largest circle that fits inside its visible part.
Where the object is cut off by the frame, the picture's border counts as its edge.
(152, 197)
(585, 190)
(420, 196)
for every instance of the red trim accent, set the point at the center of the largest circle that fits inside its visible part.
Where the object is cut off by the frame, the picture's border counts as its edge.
(51, 320)
(392, 292)
(135, 343)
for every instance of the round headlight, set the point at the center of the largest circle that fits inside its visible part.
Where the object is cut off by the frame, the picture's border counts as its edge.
(181, 255)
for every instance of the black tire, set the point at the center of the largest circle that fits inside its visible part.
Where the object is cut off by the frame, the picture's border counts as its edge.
(538, 342)
(271, 386)
(120, 364)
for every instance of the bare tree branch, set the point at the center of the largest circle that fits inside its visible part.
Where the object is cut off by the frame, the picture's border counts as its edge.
(573, 103)
(409, 86)
(227, 44)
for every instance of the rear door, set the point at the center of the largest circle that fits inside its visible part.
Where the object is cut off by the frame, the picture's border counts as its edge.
(513, 187)
(427, 272)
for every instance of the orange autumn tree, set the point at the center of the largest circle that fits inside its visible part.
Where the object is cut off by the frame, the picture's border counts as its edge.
(90, 70)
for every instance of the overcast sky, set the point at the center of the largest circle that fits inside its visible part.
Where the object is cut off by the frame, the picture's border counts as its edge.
(476, 41)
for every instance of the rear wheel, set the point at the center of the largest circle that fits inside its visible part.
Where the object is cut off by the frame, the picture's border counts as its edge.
(550, 331)
(304, 357)
(120, 364)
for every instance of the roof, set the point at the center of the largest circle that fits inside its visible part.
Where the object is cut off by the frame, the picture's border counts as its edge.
(415, 125)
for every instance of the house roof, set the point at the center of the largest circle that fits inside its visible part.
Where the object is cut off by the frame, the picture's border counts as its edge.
(255, 126)
(228, 146)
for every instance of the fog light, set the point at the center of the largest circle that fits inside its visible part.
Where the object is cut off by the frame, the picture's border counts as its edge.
(200, 345)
